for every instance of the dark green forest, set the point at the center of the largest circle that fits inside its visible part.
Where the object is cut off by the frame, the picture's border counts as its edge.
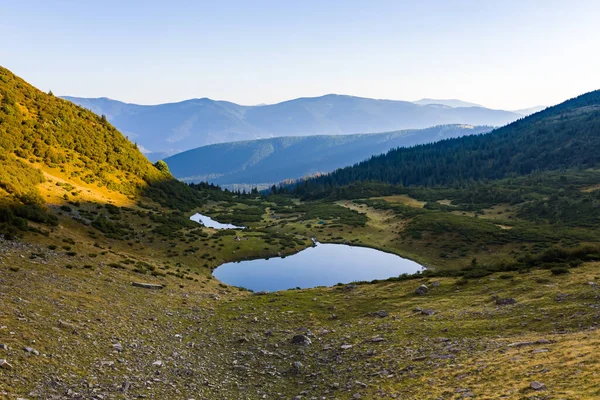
(566, 136)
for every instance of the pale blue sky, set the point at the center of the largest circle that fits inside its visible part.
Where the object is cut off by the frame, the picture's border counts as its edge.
(502, 54)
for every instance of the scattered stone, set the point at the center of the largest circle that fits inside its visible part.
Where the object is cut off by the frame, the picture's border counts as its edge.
(428, 312)
(147, 285)
(561, 297)
(3, 347)
(107, 363)
(535, 385)
(157, 363)
(346, 346)
(435, 284)
(301, 340)
(31, 350)
(377, 339)
(506, 301)
(118, 347)
(531, 343)
(349, 287)
(421, 290)
(5, 364)
(380, 314)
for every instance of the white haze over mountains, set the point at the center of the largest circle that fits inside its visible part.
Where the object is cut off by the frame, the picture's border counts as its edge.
(166, 129)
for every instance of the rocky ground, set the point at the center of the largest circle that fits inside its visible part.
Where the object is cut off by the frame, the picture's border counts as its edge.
(86, 332)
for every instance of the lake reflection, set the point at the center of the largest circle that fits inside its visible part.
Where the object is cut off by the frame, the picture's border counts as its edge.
(323, 265)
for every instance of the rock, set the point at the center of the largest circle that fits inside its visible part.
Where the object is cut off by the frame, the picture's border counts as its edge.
(532, 343)
(535, 385)
(3, 347)
(297, 365)
(5, 364)
(157, 363)
(380, 314)
(349, 287)
(506, 301)
(561, 297)
(261, 293)
(428, 312)
(147, 285)
(377, 339)
(421, 290)
(31, 350)
(118, 347)
(301, 340)
(346, 346)
(435, 284)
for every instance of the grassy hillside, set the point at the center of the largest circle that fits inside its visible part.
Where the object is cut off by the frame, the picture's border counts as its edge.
(43, 136)
(269, 161)
(560, 137)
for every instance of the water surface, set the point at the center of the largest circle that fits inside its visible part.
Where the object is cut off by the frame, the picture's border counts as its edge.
(323, 265)
(211, 223)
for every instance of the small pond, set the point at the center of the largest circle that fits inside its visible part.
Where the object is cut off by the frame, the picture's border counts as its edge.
(322, 265)
(211, 223)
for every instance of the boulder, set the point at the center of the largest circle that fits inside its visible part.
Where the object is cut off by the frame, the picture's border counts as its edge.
(506, 301)
(301, 340)
(421, 290)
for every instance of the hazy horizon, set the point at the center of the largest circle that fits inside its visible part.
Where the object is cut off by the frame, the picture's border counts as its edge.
(509, 55)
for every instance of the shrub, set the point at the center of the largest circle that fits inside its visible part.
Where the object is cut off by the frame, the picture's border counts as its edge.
(559, 270)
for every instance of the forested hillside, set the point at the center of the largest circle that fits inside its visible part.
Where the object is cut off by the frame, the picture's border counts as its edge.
(269, 161)
(560, 137)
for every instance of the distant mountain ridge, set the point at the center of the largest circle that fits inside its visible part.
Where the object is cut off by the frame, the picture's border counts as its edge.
(267, 161)
(558, 138)
(454, 103)
(167, 129)
(530, 110)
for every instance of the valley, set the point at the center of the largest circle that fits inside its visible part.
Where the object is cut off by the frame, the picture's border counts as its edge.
(507, 306)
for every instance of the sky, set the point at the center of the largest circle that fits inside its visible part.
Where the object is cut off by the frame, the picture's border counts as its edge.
(502, 54)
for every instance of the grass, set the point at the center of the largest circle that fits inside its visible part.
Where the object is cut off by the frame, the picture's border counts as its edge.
(231, 344)
(99, 307)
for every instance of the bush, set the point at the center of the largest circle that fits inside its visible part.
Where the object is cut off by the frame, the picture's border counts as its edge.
(559, 270)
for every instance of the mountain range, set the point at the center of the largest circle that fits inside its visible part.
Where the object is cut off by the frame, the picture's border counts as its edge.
(561, 137)
(264, 162)
(166, 129)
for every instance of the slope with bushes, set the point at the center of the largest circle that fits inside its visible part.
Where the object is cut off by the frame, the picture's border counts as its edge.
(44, 136)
